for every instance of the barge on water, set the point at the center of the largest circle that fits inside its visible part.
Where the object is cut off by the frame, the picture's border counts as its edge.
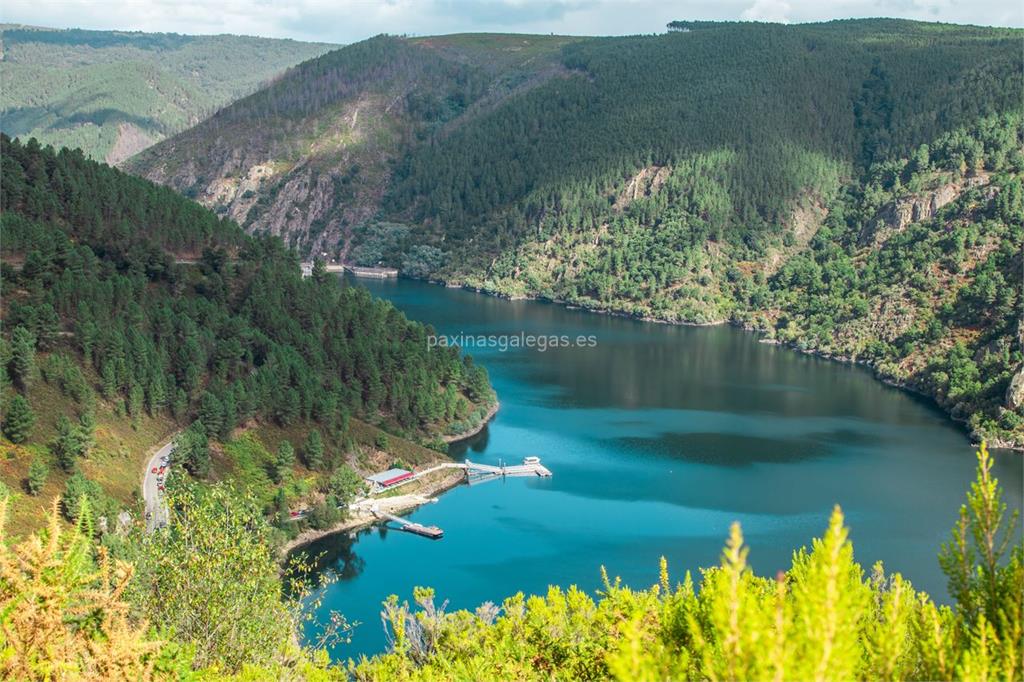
(432, 532)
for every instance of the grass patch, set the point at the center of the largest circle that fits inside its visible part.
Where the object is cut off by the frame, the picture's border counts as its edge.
(116, 462)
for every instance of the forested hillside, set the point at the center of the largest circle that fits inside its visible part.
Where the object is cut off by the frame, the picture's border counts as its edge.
(114, 93)
(471, 145)
(310, 157)
(687, 177)
(916, 270)
(106, 338)
(919, 272)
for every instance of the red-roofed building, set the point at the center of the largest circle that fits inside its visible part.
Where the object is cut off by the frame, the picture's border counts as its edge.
(387, 479)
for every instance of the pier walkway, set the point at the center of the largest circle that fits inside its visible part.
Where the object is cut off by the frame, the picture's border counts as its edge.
(477, 473)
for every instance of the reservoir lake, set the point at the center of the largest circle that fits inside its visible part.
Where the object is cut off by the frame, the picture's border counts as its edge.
(659, 437)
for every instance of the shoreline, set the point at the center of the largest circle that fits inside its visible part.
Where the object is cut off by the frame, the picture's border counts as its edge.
(895, 382)
(429, 490)
(484, 421)
(366, 519)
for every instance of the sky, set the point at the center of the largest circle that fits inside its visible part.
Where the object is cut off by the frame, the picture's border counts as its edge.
(346, 21)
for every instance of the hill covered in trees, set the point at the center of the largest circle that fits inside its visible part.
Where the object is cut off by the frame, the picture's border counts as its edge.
(107, 340)
(114, 93)
(476, 143)
(697, 176)
(311, 157)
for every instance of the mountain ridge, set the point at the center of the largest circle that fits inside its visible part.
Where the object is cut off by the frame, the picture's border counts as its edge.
(114, 93)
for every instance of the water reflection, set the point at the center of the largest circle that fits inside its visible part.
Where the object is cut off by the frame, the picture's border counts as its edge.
(335, 555)
(659, 438)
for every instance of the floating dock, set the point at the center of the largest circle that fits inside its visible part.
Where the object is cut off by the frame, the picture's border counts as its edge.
(432, 532)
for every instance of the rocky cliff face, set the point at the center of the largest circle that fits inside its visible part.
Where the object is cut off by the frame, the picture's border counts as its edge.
(646, 182)
(897, 215)
(308, 182)
(1015, 391)
(310, 156)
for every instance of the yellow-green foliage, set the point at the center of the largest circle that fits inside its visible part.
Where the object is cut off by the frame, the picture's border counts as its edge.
(210, 587)
(63, 614)
(823, 619)
(210, 577)
(70, 612)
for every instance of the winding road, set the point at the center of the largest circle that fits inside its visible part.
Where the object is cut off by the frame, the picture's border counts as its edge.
(156, 507)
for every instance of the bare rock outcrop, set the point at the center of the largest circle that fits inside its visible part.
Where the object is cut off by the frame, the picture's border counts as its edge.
(645, 183)
(1015, 391)
(131, 139)
(897, 215)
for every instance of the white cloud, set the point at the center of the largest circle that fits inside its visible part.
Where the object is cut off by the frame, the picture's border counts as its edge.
(768, 10)
(344, 21)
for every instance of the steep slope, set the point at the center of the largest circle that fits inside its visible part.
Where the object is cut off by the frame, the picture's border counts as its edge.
(311, 156)
(108, 346)
(919, 272)
(478, 144)
(680, 177)
(114, 93)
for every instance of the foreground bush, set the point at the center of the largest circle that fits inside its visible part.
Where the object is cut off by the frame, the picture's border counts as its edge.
(63, 615)
(201, 600)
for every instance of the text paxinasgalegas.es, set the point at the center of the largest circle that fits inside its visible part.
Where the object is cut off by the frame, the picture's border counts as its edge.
(504, 342)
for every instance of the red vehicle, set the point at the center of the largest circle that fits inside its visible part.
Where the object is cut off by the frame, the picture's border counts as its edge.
(163, 469)
(160, 488)
(153, 471)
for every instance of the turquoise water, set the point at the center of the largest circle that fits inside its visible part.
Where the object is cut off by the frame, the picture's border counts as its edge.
(659, 437)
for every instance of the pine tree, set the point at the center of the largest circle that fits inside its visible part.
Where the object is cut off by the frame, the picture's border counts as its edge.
(108, 377)
(320, 274)
(38, 472)
(284, 461)
(23, 356)
(211, 413)
(136, 401)
(156, 392)
(87, 432)
(5, 361)
(192, 449)
(313, 451)
(19, 420)
(179, 408)
(69, 445)
(47, 326)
